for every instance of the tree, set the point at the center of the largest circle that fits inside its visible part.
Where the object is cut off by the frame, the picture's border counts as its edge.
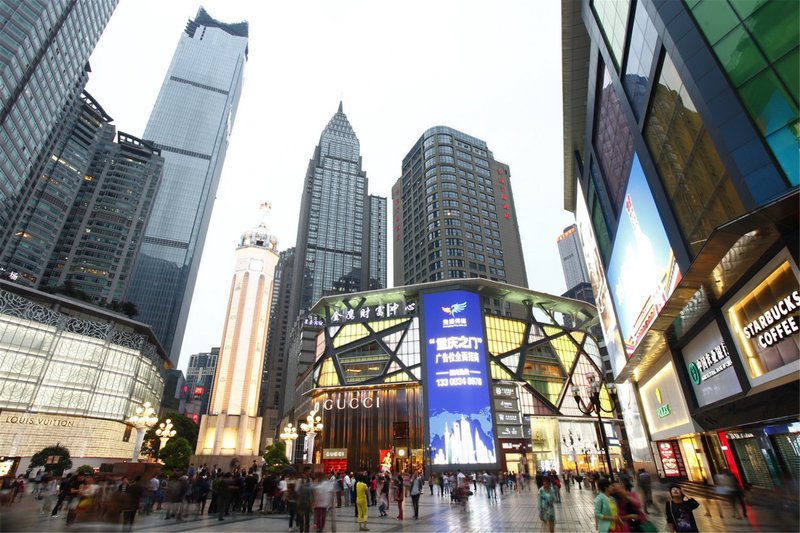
(183, 426)
(275, 457)
(85, 469)
(53, 458)
(176, 454)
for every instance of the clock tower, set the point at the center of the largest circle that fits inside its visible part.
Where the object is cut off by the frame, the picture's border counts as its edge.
(232, 429)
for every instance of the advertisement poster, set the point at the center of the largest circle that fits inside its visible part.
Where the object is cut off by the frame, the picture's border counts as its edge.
(602, 296)
(386, 458)
(642, 271)
(457, 382)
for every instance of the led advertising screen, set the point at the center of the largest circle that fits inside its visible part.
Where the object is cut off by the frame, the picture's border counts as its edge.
(643, 271)
(457, 382)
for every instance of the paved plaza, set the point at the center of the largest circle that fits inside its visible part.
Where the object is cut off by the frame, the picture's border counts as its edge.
(513, 511)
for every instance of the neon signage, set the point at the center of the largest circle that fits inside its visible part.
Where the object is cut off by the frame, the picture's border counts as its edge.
(456, 383)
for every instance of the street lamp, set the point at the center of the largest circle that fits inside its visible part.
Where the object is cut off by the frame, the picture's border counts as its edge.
(165, 432)
(594, 406)
(142, 419)
(311, 426)
(289, 435)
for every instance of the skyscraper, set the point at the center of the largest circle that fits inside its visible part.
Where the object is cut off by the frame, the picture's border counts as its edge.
(334, 241)
(233, 424)
(191, 123)
(43, 68)
(572, 262)
(453, 213)
(340, 247)
(200, 373)
(103, 232)
(81, 223)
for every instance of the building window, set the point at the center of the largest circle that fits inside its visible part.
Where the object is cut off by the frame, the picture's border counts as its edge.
(612, 17)
(641, 52)
(757, 45)
(694, 178)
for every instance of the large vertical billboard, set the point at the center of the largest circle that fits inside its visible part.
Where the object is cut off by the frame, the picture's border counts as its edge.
(642, 271)
(456, 381)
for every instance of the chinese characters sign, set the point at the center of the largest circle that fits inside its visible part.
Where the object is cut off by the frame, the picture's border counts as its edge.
(456, 381)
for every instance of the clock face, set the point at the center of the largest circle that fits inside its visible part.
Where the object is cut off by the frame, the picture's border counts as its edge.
(256, 264)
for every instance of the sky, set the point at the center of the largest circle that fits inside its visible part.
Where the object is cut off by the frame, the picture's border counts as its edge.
(489, 69)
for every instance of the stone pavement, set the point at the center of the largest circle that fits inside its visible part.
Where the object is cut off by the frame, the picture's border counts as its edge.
(512, 512)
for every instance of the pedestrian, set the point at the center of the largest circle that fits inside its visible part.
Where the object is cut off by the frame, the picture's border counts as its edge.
(491, 486)
(361, 503)
(373, 490)
(415, 491)
(679, 511)
(629, 509)
(605, 508)
(63, 493)
(323, 500)
(305, 502)
(223, 493)
(384, 497)
(645, 485)
(290, 497)
(547, 507)
(728, 488)
(399, 495)
(556, 485)
(130, 495)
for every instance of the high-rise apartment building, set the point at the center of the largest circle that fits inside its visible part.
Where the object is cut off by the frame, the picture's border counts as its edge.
(681, 164)
(81, 223)
(275, 356)
(572, 262)
(191, 123)
(453, 213)
(102, 234)
(44, 53)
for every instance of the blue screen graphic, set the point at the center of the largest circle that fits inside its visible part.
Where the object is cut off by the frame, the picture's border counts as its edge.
(456, 381)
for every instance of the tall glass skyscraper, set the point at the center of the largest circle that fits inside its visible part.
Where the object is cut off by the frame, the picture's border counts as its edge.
(191, 123)
(44, 52)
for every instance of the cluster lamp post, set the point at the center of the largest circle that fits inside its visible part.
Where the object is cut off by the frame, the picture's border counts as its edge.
(143, 418)
(165, 432)
(311, 427)
(594, 406)
(289, 435)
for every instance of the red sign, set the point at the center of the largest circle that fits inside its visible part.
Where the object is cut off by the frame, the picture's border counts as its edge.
(386, 458)
(195, 418)
(198, 390)
(669, 459)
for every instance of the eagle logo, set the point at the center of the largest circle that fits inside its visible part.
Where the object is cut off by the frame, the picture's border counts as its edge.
(455, 308)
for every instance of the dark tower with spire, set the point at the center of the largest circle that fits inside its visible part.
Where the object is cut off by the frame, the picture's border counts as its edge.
(341, 239)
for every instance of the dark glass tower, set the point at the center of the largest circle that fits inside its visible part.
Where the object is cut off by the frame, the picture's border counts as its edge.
(334, 235)
(44, 53)
(191, 124)
(454, 213)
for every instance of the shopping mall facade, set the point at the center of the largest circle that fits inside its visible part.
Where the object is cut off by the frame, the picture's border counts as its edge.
(432, 377)
(681, 166)
(70, 375)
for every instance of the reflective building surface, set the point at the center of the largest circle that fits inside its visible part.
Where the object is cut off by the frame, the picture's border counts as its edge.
(681, 165)
(44, 53)
(191, 124)
(72, 373)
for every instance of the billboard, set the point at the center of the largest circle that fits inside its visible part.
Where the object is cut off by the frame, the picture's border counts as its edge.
(642, 271)
(456, 381)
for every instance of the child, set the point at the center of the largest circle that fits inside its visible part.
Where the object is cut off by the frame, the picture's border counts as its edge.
(383, 504)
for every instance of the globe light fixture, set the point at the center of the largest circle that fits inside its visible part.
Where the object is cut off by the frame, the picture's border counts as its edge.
(289, 435)
(143, 418)
(165, 432)
(594, 406)
(311, 427)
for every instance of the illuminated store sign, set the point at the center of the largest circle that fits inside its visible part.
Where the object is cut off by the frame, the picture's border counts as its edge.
(374, 312)
(349, 400)
(671, 459)
(334, 453)
(765, 320)
(709, 364)
(456, 381)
